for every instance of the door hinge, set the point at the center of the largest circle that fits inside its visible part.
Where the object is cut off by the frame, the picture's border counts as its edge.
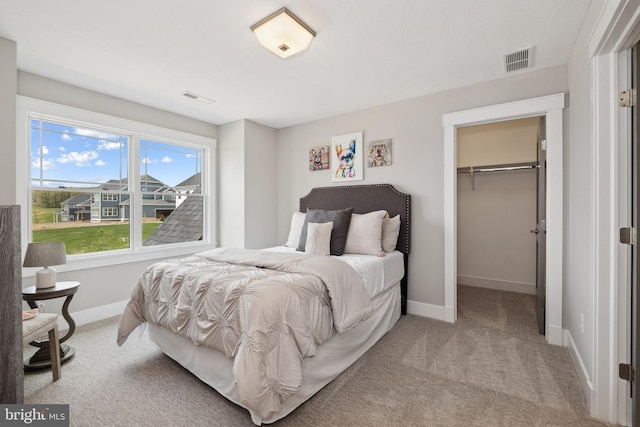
(626, 372)
(628, 235)
(543, 145)
(628, 98)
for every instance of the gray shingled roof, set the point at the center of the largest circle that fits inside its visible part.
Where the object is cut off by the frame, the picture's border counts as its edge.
(183, 225)
(78, 199)
(193, 180)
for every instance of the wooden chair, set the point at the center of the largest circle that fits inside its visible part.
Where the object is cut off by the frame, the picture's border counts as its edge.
(39, 325)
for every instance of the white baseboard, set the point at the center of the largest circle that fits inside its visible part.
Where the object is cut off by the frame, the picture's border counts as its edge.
(497, 284)
(94, 314)
(581, 370)
(426, 310)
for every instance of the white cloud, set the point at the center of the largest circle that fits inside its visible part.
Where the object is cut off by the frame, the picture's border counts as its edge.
(100, 163)
(95, 134)
(80, 159)
(66, 136)
(44, 150)
(166, 159)
(46, 164)
(62, 149)
(109, 145)
(148, 161)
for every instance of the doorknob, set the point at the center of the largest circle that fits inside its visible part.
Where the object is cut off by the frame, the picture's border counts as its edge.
(534, 231)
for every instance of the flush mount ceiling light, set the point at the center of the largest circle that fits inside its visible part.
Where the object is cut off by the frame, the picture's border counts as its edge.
(283, 33)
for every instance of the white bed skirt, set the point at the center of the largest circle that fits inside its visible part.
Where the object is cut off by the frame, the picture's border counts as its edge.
(332, 358)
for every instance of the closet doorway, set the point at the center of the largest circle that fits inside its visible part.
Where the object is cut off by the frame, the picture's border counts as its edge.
(501, 183)
(551, 107)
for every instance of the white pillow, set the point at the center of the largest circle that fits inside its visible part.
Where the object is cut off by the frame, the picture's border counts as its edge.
(297, 221)
(365, 234)
(318, 238)
(390, 232)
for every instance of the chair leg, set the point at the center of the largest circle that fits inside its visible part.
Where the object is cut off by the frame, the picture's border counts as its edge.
(54, 348)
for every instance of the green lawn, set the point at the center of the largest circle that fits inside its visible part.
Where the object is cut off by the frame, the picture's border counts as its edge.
(42, 215)
(79, 240)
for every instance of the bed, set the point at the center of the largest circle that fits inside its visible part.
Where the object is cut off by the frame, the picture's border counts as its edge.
(291, 322)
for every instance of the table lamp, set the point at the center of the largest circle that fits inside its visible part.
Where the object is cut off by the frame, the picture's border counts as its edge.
(45, 255)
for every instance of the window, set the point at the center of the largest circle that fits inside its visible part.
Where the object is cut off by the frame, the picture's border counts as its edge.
(111, 185)
(109, 211)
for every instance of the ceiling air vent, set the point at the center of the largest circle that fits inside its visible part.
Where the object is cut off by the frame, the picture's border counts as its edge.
(197, 97)
(518, 60)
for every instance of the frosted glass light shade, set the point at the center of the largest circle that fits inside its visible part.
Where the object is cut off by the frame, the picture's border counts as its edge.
(283, 33)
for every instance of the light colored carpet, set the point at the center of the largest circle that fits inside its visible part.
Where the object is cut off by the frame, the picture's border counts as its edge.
(490, 368)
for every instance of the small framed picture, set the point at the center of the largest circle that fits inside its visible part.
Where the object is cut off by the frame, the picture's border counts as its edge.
(319, 158)
(346, 155)
(379, 153)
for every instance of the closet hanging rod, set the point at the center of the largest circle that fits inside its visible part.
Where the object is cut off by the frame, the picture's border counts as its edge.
(498, 168)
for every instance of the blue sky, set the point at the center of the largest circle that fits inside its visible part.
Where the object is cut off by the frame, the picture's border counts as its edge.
(63, 153)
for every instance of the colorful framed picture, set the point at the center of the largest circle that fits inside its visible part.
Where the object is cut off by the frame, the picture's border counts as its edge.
(346, 157)
(319, 158)
(379, 153)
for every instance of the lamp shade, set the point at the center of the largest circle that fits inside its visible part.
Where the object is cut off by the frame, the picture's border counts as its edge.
(45, 254)
(283, 33)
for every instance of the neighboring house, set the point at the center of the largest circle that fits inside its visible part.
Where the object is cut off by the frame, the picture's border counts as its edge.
(188, 186)
(77, 208)
(100, 207)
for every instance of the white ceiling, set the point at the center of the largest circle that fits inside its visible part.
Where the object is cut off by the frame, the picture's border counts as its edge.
(366, 52)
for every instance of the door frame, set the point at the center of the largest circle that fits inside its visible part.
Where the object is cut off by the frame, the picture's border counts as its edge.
(615, 31)
(551, 107)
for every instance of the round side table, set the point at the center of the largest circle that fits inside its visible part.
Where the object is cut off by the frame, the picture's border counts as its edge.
(31, 295)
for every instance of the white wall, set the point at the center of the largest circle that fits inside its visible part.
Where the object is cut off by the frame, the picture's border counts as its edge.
(247, 185)
(260, 192)
(231, 184)
(495, 248)
(415, 127)
(579, 226)
(508, 142)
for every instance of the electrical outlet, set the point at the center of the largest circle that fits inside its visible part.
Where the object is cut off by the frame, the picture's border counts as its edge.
(581, 323)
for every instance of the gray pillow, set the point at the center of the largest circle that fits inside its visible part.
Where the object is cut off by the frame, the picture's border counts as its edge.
(341, 219)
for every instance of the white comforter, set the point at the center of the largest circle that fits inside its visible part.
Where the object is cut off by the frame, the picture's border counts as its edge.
(266, 310)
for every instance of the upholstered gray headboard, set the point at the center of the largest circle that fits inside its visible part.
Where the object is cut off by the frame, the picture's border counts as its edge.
(367, 198)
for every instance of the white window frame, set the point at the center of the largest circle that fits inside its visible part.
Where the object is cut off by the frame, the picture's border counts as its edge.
(28, 107)
(110, 212)
(109, 197)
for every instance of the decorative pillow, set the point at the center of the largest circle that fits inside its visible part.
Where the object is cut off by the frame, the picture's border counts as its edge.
(319, 238)
(340, 218)
(390, 232)
(297, 221)
(365, 234)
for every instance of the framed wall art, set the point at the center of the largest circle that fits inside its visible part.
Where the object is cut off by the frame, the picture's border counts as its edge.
(319, 158)
(379, 153)
(346, 157)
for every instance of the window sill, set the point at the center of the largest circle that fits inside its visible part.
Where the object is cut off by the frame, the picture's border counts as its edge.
(85, 262)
